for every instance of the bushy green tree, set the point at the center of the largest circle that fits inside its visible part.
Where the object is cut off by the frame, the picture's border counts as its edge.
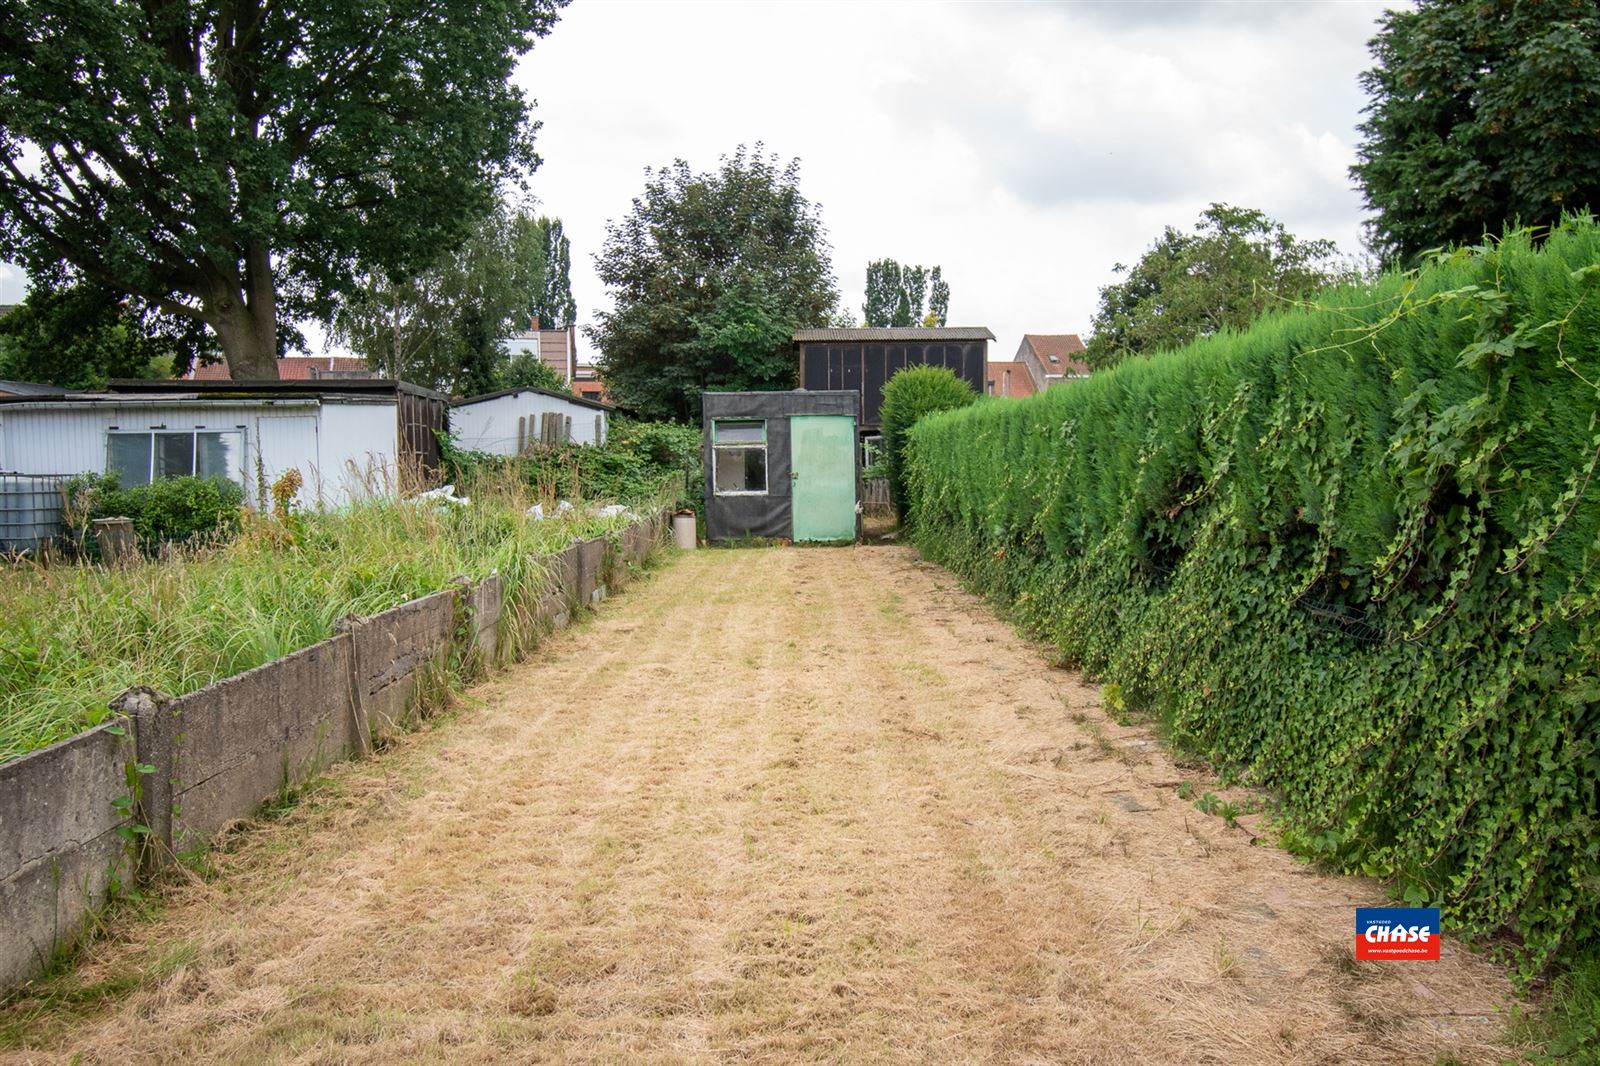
(526, 369)
(445, 327)
(904, 295)
(1482, 114)
(710, 275)
(232, 163)
(909, 395)
(1236, 264)
(80, 334)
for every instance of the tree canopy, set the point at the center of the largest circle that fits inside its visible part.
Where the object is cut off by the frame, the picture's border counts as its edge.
(1482, 114)
(905, 295)
(710, 274)
(79, 335)
(230, 161)
(445, 327)
(1236, 264)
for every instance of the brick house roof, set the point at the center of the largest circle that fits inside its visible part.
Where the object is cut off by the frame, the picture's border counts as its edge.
(1052, 358)
(1008, 379)
(290, 368)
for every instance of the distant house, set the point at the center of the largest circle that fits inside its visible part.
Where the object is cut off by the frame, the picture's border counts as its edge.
(348, 439)
(1009, 379)
(511, 421)
(863, 360)
(555, 348)
(1052, 358)
(297, 368)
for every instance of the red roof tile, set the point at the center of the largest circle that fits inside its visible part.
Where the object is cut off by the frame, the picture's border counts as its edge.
(290, 367)
(1056, 351)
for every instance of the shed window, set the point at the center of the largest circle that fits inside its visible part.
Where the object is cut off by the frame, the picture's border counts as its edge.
(140, 457)
(739, 456)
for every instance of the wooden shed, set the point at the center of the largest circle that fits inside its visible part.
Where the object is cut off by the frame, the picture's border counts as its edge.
(782, 465)
(863, 360)
(512, 421)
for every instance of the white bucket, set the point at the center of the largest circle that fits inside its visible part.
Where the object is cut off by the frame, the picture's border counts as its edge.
(683, 530)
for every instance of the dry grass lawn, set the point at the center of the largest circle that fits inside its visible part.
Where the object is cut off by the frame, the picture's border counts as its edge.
(770, 806)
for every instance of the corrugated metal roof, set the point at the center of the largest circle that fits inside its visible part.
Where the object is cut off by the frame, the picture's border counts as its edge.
(908, 333)
(582, 401)
(29, 388)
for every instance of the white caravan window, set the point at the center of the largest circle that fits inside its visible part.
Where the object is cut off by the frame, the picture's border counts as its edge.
(138, 457)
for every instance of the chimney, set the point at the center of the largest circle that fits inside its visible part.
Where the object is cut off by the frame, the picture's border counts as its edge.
(535, 326)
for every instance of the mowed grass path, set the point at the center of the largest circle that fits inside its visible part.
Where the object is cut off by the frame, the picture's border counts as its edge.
(769, 806)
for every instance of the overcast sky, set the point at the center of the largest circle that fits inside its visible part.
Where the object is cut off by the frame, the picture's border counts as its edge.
(1026, 148)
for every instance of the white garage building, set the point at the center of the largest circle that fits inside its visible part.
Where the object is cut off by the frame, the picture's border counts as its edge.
(348, 439)
(510, 421)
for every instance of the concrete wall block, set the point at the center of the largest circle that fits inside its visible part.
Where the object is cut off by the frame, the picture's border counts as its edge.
(488, 597)
(60, 851)
(391, 649)
(616, 564)
(239, 742)
(591, 571)
(560, 597)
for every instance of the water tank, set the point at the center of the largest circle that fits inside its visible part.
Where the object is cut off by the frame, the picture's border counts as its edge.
(30, 511)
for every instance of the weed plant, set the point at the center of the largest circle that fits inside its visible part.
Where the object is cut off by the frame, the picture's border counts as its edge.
(72, 637)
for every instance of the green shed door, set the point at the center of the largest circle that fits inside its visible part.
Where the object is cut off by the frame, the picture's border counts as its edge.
(822, 464)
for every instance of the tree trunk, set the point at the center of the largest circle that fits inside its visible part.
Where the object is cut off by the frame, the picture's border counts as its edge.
(246, 321)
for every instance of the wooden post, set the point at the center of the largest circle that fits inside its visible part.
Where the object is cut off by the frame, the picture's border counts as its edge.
(115, 538)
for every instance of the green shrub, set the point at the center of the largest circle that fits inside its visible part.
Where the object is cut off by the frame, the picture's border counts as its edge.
(1352, 552)
(909, 395)
(169, 509)
(630, 466)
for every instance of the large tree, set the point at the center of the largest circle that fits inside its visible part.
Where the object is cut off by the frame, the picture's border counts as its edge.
(1483, 113)
(553, 305)
(710, 274)
(445, 327)
(905, 295)
(229, 161)
(1234, 265)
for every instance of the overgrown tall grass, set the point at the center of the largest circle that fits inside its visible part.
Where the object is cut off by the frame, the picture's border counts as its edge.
(72, 637)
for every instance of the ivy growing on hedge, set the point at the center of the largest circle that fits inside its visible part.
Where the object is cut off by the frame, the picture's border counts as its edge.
(1352, 551)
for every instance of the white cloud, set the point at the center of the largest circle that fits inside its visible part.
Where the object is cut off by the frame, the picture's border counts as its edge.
(1025, 148)
(13, 284)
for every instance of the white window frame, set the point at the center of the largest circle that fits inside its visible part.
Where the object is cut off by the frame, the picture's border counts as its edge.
(766, 464)
(194, 448)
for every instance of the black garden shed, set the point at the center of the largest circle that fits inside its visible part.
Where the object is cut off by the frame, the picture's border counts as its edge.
(863, 360)
(782, 465)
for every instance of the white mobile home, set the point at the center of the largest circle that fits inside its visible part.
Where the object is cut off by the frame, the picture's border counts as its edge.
(510, 421)
(348, 439)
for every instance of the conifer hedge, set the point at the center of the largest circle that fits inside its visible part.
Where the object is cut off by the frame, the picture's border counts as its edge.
(1353, 551)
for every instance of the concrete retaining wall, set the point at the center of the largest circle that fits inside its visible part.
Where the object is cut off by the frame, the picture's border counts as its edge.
(591, 571)
(221, 752)
(216, 755)
(562, 597)
(487, 600)
(392, 651)
(60, 851)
